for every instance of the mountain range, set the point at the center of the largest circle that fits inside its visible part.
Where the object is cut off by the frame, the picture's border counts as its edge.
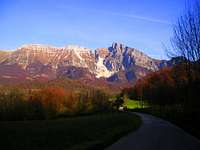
(117, 63)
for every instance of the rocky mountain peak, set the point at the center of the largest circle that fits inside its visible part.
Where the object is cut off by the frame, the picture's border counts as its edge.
(117, 48)
(117, 62)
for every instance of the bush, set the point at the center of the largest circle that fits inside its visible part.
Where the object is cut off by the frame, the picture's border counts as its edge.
(118, 102)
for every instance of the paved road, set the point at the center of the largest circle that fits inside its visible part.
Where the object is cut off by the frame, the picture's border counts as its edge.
(156, 134)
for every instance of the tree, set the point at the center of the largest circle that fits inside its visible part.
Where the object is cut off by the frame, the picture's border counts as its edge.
(53, 100)
(12, 104)
(118, 102)
(186, 43)
(186, 35)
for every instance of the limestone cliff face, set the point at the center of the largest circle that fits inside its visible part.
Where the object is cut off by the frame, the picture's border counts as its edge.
(120, 58)
(48, 61)
(115, 63)
(54, 56)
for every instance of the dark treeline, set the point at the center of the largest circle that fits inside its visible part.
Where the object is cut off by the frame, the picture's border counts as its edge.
(50, 102)
(169, 86)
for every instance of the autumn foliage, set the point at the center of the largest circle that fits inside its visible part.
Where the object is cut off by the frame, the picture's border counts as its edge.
(50, 102)
(168, 86)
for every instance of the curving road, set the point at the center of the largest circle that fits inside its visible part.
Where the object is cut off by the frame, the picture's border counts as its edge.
(156, 134)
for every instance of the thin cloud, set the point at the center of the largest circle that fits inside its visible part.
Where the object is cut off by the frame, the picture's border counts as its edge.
(147, 19)
(142, 18)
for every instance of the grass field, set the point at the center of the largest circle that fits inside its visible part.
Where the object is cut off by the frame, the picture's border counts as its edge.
(86, 132)
(133, 104)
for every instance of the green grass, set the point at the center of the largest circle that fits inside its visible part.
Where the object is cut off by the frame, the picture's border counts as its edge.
(133, 104)
(86, 132)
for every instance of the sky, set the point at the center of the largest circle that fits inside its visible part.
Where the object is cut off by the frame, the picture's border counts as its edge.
(142, 24)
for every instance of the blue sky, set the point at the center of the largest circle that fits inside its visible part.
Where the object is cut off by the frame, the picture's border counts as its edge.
(143, 24)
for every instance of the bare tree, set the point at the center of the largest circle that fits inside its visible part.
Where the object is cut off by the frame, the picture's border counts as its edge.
(186, 34)
(186, 43)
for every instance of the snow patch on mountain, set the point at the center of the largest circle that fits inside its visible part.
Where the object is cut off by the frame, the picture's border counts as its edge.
(77, 48)
(101, 70)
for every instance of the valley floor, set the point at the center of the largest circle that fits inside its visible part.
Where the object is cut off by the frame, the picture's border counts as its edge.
(85, 132)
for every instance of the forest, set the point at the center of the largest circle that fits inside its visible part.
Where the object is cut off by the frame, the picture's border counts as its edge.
(50, 102)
